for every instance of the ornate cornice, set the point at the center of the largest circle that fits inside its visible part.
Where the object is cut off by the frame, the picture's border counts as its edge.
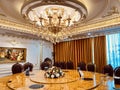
(92, 26)
(97, 25)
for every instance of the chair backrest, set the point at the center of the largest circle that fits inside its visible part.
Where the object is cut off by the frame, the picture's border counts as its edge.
(117, 74)
(45, 65)
(62, 65)
(82, 65)
(117, 71)
(48, 60)
(17, 68)
(56, 64)
(91, 67)
(108, 70)
(70, 65)
(28, 65)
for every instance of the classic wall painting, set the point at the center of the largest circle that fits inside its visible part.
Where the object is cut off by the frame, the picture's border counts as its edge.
(8, 55)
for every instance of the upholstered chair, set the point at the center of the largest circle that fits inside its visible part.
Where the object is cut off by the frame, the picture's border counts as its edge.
(56, 64)
(110, 66)
(70, 65)
(45, 65)
(17, 68)
(108, 70)
(82, 65)
(62, 65)
(91, 67)
(28, 65)
(117, 75)
(48, 60)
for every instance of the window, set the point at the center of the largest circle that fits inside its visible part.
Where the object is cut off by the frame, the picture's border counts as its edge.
(113, 49)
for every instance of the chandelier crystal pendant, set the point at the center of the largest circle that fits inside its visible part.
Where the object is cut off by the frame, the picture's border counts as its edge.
(55, 16)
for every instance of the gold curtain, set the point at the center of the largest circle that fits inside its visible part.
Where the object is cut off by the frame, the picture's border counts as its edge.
(75, 51)
(100, 52)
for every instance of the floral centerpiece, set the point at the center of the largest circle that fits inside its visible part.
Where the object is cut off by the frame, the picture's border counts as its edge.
(54, 72)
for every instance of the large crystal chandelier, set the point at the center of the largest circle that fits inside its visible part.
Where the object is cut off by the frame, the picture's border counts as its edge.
(54, 15)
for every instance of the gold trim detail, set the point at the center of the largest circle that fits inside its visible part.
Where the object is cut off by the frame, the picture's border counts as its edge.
(101, 24)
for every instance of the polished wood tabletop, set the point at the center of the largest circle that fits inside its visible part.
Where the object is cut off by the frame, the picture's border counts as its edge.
(70, 81)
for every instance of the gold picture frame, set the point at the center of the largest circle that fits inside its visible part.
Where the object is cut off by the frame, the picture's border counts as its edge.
(9, 55)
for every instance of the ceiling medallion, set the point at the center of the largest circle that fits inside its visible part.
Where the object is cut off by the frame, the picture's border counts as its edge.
(54, 16)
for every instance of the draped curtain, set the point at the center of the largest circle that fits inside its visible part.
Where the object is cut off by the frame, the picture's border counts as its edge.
(113, 49)
(88, 50)
(75, 51)
(100, 52)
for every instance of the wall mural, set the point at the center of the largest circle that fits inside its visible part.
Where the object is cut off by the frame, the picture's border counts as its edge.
(8, 55)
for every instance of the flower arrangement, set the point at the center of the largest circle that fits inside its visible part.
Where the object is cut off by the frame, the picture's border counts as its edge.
(54, 72)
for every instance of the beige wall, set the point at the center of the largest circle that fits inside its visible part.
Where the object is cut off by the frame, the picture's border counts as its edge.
(37, 50)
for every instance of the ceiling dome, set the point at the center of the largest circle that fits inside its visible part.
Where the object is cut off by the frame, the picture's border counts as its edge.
(70, 19)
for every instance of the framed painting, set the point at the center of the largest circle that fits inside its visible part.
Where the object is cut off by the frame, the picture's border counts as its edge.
(9, 55)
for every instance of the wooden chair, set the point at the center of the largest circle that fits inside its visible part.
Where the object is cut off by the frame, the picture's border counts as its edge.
(45, 65)
(48, 60)
(91, 67)
(108, 70)
(117, 74)
(17, 68)
(70, 65)
(56, 64)
(28, 65)
(82, 65)
(62, 65)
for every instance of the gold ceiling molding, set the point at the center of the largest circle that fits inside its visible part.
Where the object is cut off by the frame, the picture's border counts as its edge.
(88, 27)
(98, 25)
(14, 26)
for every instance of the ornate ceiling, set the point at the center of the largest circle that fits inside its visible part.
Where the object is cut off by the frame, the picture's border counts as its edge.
(103, 17)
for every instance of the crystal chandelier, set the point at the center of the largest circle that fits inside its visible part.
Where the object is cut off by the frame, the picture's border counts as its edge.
(55, 16)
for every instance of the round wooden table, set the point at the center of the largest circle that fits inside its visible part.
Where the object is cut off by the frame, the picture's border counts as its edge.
(71, 81)
(70, 76)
